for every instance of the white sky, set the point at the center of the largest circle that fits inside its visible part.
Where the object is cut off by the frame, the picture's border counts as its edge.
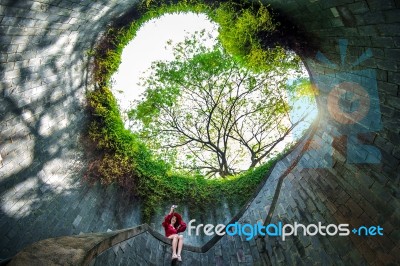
(149, 46)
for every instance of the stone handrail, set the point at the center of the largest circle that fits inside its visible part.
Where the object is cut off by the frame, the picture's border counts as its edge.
(73, 250)
(82, 249)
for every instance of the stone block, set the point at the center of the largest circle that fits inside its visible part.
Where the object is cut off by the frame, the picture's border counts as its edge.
(388, 64)
(392, 53)
(9, 21)
(373, 18)
(388, 88)
(382, 42)
(393, 101)
(334, 3)
(354, 257)
(391, 16)
(387, 30)
(381, 5)
(354, 208)
(382, 75)
(359, 7)
(383, 144)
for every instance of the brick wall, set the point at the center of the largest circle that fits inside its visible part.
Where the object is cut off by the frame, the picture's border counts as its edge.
(45, 72)
(353, 174)
(43, 78)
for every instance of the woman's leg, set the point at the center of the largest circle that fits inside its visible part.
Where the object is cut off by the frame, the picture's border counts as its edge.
(174, 243)
(180, 245)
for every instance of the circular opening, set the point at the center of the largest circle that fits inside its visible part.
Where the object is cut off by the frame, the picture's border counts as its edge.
(201, 111)
(251, 83)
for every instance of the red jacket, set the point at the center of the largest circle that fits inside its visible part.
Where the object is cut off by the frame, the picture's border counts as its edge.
(179, 226)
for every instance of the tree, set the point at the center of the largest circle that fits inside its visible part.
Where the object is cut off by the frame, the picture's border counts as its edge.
(205, 112)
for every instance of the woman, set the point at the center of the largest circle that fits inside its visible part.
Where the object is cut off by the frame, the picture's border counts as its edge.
(173, 224)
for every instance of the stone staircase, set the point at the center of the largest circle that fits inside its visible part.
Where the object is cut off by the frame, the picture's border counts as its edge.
(143, 245)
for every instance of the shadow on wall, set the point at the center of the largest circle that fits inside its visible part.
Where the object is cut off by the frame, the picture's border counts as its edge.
(44, 74)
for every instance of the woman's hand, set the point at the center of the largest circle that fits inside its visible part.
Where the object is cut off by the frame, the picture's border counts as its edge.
(172, 209)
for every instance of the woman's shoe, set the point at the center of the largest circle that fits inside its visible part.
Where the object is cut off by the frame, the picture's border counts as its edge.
(174, 257)
(179, 257)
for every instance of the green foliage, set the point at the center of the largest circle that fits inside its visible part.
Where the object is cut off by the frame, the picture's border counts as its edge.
(241, 28)
(302, 87)
(127, 160)
(218, 117)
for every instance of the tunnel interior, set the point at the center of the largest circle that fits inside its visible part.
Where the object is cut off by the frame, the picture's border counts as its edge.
(346, 170)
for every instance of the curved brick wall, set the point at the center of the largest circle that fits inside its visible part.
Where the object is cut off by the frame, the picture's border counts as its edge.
(44, 76)
(350, 173)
